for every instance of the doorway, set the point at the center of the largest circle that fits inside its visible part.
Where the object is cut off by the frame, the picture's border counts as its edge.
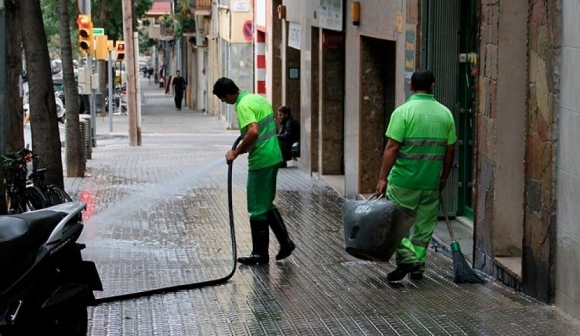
(377, 102)
(450, 50)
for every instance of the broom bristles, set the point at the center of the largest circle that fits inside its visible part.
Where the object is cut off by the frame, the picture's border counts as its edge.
(464, 274)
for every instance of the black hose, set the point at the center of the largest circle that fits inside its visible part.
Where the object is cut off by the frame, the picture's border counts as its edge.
(194, 285)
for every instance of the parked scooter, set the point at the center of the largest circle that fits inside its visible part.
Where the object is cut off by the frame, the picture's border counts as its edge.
(60, 110)
(45, 286)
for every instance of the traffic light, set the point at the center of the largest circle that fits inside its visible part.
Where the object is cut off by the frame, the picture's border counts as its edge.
(120, 51)
(101, 47)
(85, 32)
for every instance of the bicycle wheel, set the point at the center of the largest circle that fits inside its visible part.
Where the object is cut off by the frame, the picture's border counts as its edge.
(35, 200)
(56, 195)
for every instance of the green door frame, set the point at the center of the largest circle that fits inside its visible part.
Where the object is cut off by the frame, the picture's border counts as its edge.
(465, 98)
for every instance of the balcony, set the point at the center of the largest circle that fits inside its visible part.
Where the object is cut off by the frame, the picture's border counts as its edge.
(201, 7)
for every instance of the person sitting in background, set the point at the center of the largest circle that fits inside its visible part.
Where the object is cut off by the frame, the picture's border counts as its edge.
(288, 134)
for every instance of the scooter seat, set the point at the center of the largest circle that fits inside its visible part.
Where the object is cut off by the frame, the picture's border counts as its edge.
(24, 233)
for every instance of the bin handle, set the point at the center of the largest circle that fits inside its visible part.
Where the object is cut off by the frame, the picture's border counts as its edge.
(375, 196)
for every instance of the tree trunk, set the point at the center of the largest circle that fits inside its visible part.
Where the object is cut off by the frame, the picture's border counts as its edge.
(14, 111)
(74, 162)
(43, 120)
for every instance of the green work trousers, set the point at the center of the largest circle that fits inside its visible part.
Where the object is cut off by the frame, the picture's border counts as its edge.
(261, 191)
(426, 204)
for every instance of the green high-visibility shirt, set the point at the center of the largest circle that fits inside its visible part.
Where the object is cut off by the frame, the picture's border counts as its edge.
(253, 108)
(424, 127)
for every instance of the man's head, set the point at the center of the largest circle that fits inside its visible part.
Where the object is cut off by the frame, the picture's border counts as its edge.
(226, 90)
(283, 113)
(422, 81)
(177, 73)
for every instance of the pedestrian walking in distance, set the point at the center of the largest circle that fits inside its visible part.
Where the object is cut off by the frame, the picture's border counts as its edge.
(179, 86)
(416, 163)
(258, 128)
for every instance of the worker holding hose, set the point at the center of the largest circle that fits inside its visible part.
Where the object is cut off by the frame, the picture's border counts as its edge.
(258, 128)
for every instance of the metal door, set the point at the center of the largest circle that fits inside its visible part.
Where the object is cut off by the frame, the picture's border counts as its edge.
(440, 54)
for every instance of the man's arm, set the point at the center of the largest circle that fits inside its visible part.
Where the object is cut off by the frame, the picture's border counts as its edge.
(389, 157)
(252, 133)
(447, 165)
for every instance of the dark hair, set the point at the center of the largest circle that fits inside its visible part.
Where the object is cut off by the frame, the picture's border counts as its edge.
(225, 86)
(285, 111)
(422, 80)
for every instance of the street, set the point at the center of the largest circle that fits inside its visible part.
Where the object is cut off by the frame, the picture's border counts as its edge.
(157, 216)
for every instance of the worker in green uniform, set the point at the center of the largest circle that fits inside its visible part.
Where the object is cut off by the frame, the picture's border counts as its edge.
(258, 128)
(416, 163)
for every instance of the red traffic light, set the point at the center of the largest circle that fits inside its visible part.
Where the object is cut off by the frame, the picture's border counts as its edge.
(121, 47)
(84, 21)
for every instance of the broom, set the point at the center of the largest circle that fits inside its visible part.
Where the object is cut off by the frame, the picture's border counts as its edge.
(464, 274)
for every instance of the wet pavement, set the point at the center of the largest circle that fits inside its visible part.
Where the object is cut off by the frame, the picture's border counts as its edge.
(157, 216)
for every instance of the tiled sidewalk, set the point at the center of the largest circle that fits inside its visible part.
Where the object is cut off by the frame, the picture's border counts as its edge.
(159, 218)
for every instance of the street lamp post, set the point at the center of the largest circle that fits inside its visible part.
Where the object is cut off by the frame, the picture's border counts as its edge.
(2, 77)
(2, 96)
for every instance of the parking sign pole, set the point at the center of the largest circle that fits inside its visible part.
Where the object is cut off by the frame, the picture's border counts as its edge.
(111, 90)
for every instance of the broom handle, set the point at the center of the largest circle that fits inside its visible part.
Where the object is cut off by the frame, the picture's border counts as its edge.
(444, 209)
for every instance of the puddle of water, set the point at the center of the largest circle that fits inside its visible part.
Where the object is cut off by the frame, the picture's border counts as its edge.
(144, 199)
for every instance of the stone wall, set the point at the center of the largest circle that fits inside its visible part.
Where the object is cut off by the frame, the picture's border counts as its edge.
(540, 205)
(332, 113)
(486, 135)
(500, 62)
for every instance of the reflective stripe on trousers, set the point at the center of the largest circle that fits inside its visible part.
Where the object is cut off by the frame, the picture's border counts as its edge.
(426, 204)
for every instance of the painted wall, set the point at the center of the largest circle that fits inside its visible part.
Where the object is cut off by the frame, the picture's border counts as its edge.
(568, 173)
(239, 17)
(225, 24)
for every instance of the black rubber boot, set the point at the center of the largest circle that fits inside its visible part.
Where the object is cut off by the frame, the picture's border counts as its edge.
(281, 233)
(402, 270)
(260, 243)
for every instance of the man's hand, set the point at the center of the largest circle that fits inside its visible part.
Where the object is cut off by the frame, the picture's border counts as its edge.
(231, 156)
(442, 183)
(381, 187)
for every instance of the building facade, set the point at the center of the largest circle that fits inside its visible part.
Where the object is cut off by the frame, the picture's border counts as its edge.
(507, 69)
(345, 66)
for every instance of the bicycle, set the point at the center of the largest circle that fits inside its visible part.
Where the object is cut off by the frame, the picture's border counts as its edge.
(53, 193)
(20, 196)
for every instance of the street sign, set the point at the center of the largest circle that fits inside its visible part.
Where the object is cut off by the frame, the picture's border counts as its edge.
(248, 30)
(98, 31)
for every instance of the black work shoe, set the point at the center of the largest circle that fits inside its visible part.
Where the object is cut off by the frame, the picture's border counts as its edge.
(402, 270)
(416, 275)
(286, 251)
(254, 259)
